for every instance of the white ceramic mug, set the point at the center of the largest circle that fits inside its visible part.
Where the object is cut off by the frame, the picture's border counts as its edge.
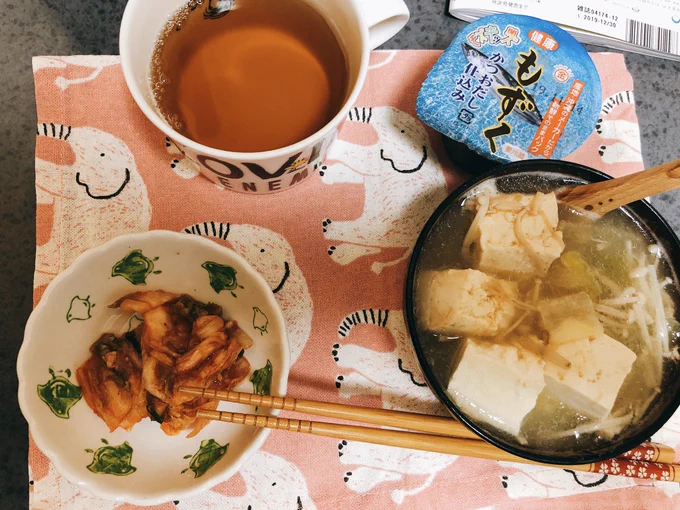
(360, 25)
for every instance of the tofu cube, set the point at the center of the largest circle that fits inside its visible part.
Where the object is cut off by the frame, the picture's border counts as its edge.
(496, 248)
(497, 383)
(466, 302)
(570, 318)
(598, 368)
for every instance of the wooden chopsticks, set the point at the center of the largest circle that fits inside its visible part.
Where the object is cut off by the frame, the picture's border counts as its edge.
(432, 433)
(385, 417)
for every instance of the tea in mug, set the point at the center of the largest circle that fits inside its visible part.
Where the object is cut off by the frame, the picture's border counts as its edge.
(248, 75)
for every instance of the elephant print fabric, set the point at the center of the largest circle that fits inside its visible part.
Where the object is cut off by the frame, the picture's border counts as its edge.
(614, 146)
(265, 481)
(180, 163)
(96, 196)
(334, 252)
(90, 67)
(621, 137)
(394, 377)
(389, 152)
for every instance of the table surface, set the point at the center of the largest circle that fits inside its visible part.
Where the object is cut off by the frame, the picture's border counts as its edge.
(56, 27)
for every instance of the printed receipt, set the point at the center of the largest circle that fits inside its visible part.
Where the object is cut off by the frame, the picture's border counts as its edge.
(645, 26)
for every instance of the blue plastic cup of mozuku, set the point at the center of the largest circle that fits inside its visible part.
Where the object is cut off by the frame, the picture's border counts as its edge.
(511, 88)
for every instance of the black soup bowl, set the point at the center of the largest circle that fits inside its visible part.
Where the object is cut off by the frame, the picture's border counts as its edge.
(437, 358)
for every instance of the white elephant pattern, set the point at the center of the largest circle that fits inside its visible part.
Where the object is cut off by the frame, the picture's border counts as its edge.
(99, 197)
(621, 137)
(97, 63)
(396, 378)
(181, 164)
(54, 491)
(271, 483)
(403, 183)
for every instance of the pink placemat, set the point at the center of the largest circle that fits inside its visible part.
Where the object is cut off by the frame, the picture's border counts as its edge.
(339, 282)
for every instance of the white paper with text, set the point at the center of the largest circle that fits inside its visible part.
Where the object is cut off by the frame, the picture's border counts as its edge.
(650, 27)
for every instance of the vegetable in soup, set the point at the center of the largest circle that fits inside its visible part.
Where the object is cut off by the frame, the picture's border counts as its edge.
(550, 326)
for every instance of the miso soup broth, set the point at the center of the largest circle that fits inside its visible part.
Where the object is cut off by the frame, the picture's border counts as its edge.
(559, 347)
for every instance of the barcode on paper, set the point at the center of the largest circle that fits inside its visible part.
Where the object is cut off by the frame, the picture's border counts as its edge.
(652, 37)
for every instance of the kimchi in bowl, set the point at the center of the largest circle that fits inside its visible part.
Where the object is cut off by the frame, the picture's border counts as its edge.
(145, 465)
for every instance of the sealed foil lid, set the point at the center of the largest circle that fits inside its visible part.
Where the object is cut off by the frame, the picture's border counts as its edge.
(511, 88)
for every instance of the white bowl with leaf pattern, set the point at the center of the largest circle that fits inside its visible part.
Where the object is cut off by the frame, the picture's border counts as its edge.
(144, 466)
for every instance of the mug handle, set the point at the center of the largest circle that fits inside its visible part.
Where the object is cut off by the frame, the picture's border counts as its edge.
(384, 19)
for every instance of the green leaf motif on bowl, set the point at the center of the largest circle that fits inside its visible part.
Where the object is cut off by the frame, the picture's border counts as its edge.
(206, 457)
(222, 277)
(135, 320)
(262, 379)
(113, 460)
(135, 267)
(80, 309)
(260, 320)
(59, 393)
